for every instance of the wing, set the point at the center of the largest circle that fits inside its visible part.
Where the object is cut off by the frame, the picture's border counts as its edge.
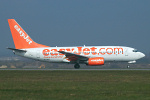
(73, 57)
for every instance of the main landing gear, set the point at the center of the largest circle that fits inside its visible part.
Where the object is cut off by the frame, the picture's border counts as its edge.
(76, 66)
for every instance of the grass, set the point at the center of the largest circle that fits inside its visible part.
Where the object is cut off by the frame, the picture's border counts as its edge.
(74, 85)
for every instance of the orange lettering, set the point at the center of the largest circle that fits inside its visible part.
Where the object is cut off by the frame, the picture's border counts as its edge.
(70, 50)
(101, 51)
(46, 52)
(79, 51)
(54, 52)
(93, 50)
(109, 49)
(61, 50)
(118, 50)
(86, 51)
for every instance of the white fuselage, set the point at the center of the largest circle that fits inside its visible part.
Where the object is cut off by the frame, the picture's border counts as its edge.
(109, 53)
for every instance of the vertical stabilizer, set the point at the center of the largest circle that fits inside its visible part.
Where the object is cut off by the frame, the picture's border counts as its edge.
(21, 38)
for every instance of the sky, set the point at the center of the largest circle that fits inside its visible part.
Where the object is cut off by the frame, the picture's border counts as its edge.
(78, 22)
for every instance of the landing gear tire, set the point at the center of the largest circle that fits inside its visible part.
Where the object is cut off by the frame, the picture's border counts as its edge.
(76, 66)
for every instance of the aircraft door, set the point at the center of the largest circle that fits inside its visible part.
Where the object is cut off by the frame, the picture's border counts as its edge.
(126, 52)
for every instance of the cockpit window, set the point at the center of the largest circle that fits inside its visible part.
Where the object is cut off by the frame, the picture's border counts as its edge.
(135, 50)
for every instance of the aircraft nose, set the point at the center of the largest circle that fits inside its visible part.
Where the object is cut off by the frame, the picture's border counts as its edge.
(142, 55)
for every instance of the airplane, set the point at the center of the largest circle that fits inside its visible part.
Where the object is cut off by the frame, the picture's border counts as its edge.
(89, 55)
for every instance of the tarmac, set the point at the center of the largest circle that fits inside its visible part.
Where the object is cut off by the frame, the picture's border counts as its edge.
(77, 69)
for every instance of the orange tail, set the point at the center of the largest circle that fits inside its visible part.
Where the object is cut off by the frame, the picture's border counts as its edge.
(21, 38)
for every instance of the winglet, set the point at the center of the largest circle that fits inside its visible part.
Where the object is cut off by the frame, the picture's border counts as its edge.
(21, 38)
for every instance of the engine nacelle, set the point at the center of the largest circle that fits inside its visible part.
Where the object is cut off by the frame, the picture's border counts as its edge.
(95, 61)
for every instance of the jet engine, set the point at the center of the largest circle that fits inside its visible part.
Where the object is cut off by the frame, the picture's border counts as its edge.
(95, 61)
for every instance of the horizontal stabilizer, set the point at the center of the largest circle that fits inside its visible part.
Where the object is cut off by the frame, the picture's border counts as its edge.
(19, 50)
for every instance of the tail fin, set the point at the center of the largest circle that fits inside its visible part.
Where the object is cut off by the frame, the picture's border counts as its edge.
(21, 38)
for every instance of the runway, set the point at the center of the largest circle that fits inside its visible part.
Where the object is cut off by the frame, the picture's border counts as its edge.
(78, 69)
